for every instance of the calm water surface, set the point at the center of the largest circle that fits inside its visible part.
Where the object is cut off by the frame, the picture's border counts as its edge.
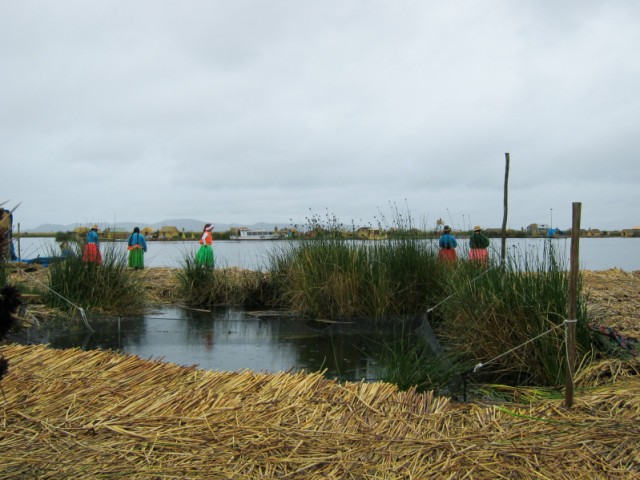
(595, 253)
(234, 339)
(230, 340)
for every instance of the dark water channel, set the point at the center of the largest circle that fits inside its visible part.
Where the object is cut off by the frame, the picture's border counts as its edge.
(232, 340)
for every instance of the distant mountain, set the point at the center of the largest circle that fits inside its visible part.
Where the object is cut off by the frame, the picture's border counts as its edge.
(189, 224)
(47, 227)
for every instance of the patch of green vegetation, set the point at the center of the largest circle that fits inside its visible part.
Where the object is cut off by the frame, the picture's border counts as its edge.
(110, 287)
(205, 286)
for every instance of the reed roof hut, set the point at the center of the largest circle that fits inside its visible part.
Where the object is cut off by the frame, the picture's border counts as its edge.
(169, 232)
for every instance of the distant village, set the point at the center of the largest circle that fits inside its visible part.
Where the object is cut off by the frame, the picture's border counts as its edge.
(537, 230)
(168, 232)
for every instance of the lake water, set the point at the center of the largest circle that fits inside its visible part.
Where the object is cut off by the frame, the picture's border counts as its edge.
(229, 339)
(595, 253)
(233, 339)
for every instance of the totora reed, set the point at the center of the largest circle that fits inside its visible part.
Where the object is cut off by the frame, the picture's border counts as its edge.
(96, 414)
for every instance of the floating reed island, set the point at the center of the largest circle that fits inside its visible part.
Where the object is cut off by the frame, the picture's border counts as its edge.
(96, 414)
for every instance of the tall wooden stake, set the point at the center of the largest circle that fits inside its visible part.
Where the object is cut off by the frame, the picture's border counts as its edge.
(572, 307)
(503, 254)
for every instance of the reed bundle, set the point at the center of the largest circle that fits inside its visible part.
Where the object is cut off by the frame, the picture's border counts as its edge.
(614, 299)
(160, 285)
(96, 414)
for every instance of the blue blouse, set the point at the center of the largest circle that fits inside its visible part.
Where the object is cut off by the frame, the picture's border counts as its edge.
(92, 237)
(447, 241)
(138, 239)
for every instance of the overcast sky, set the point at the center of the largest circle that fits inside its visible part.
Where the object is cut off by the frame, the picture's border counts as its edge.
(246, 111)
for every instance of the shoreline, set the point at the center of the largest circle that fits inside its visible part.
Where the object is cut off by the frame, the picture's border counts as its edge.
(613, 295)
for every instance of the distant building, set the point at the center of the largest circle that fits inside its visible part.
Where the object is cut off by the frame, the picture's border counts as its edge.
(289, 232)
(631, 232)
(147, 231)
(538, 229)
(169, 232)
(370, 233)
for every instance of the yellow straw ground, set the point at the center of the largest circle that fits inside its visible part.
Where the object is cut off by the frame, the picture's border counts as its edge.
(97, 414)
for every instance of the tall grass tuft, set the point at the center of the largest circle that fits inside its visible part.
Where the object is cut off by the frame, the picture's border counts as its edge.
(494, 313)
(338, 278)
(409, 361)
(204, 286)
(196, 283)
(110, 287)
(482, 313)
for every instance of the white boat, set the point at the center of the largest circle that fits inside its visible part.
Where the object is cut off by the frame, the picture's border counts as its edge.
(247, 234)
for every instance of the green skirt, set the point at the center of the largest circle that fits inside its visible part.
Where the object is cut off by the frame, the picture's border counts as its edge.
(205, 256)
(136, 258)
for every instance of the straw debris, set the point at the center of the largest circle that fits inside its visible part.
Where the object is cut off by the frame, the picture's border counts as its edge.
(614, 299)
(97, 414)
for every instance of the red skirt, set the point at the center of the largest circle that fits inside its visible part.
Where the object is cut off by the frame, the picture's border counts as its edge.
(447, 254)
(478, 254)
(92, 254)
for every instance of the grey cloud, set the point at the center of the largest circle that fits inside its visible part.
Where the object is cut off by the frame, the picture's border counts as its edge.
(281, 107)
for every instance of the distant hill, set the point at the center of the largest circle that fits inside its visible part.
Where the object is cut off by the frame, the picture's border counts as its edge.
(189, 224)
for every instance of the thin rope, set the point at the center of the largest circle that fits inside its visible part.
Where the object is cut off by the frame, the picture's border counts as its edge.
(480, 365)
(77, 307)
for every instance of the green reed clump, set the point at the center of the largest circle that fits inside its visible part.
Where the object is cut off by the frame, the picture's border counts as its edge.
(110, 287)
(330, 275)
(205, 286)
(486, 313)
(494, 312)
(409, 361)
(337, 278)
(197, 283)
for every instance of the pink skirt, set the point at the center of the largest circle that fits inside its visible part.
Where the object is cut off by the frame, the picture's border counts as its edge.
(92, 254)
(478, 254)
(447, 254)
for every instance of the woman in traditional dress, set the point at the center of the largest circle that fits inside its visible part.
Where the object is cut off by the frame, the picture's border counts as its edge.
(478, 244)
(137, 245)
(91, 253)
(447, 244)
(205, 253)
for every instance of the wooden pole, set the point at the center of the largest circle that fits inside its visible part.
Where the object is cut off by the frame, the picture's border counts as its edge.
(503, 253)
(572, 306)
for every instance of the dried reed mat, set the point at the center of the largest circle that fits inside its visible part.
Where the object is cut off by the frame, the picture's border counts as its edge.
(95, 414)
(614, 300)
(160, 285)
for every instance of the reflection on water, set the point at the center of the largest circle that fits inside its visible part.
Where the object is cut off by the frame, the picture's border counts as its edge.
(232, 340)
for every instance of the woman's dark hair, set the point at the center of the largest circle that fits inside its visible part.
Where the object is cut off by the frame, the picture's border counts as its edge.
(136, 230)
